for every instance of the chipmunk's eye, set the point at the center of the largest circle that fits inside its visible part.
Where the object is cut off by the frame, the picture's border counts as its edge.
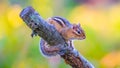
(78, 32)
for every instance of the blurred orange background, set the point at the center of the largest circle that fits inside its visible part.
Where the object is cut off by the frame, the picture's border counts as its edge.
(100, 20)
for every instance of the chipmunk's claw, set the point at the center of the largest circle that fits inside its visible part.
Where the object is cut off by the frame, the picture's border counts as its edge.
(33, 34)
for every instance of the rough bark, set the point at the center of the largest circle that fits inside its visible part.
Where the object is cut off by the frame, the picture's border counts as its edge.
(53, 37)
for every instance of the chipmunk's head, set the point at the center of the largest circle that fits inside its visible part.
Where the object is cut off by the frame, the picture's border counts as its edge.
(78, 31)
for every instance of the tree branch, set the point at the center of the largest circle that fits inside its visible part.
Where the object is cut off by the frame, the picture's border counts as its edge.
(53, 37)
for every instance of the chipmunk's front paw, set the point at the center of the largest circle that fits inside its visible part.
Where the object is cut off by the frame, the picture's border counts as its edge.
(33, 33)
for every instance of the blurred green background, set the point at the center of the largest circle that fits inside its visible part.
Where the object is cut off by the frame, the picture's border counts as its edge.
(100, 20)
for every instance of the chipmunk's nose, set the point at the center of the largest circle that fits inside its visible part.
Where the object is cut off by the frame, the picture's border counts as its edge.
(84, 37)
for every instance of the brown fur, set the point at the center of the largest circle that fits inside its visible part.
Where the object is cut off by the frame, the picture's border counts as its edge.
(68, 32)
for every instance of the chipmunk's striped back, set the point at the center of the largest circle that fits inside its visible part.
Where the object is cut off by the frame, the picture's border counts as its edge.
(62, 21)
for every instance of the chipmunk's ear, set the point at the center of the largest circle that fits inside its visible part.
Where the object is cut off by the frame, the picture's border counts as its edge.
(74, 26)
(76, 29)
(79, 24)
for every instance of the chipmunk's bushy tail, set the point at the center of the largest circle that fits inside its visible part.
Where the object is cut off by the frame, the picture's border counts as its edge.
(47, 50)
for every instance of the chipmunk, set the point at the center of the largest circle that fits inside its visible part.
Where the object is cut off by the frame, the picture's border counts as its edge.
(68, 31)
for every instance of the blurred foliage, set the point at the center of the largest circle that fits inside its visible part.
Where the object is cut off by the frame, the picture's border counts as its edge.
(101, 25)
